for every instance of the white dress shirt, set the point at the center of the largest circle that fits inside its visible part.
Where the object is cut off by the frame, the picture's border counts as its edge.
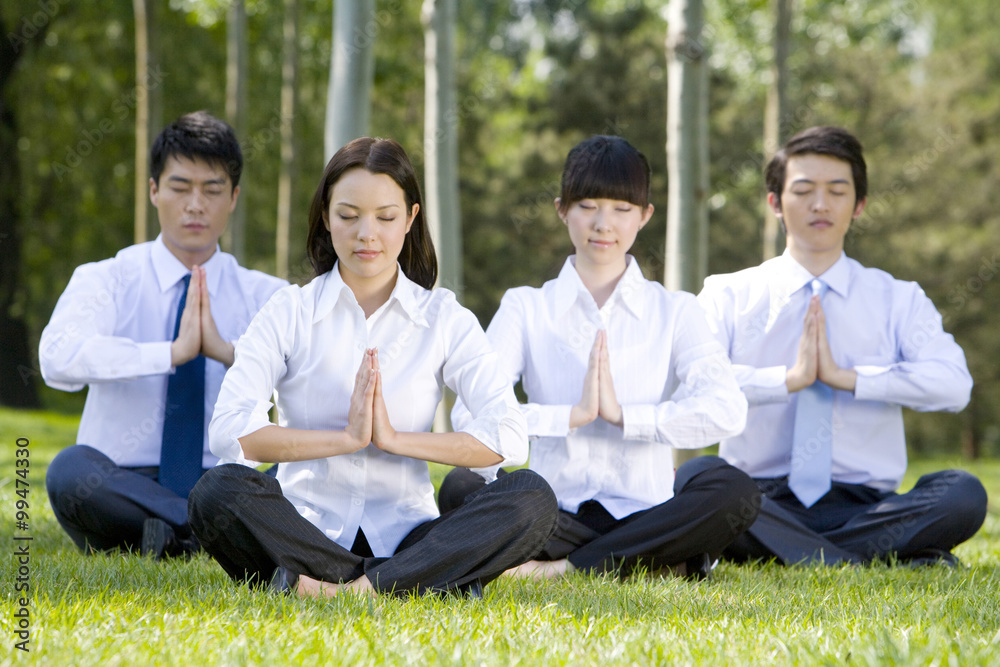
(885, 329)
(671, 377)
(112, 329)
(306, 345)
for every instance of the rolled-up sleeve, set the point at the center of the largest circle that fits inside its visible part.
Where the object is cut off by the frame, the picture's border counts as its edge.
(245, 398)
(489, 410)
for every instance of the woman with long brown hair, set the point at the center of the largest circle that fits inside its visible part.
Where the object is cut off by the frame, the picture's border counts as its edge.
(358, 358)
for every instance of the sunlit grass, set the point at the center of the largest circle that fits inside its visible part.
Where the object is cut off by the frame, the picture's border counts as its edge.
(125, 610)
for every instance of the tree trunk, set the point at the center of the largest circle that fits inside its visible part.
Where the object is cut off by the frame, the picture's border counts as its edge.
(288, 74)
(154, 99)
(141, 10)
(775, 116)
(18, 371)
(441, 141)
(687, 213)
(687, 155)
(971, 434)
(352, 69)
(441, 154)
(236, 112)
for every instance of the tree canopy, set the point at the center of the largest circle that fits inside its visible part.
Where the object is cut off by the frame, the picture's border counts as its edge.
(917, 82)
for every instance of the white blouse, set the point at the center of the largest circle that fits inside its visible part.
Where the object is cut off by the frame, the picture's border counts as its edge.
(671, 377)
(306, 345)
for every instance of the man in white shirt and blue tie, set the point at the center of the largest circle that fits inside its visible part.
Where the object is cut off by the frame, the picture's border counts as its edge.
(827, 353)
(151, 332)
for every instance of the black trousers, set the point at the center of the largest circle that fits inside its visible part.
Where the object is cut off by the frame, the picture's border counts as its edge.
(241, 517)
(856, 523)
(713, 503)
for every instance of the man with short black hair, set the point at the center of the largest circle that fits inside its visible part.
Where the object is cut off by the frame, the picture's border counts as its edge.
(827, 353)
(151, 332)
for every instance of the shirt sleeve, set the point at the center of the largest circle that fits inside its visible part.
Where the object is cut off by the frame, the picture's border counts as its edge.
(707, 405)
(245, 397)
(78, 346)
(485, 407)
(507, 333)
(759, 385)
(930, 372)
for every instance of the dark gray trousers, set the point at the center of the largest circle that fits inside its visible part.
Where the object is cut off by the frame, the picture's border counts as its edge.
(103, 506)
(856, 523)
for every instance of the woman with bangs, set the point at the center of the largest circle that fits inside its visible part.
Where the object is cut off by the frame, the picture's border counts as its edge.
(618, 372)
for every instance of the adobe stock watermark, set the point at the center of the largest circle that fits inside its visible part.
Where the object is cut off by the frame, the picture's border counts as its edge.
(363, 37)
(932, 326)
(21, 547)
(263, 138)
(883, 202)
(986, 271)
(92, 137)
(34, 23)
(794, 120)
(84, 311)
(539, 204)
(485, 91)
(926, 495)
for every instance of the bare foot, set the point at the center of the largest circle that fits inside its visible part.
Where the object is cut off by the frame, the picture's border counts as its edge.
(541, 569)
(309, 587)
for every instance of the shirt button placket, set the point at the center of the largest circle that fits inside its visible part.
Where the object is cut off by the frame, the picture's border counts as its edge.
(358, 474)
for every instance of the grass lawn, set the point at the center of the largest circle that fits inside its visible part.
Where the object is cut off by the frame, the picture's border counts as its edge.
(125, 610)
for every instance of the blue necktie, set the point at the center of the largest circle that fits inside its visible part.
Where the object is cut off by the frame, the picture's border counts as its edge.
(184, 420)
(812, 439)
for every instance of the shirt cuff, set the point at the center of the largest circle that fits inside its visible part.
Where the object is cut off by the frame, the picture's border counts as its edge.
(258, 419)
(766, 386)
(552, 421)
(639, 422)
(154, 358)
(872, 383)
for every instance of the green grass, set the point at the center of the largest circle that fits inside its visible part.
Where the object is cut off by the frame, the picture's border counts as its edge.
(125, 610)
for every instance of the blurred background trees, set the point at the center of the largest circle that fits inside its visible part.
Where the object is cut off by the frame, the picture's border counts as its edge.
(919, 83)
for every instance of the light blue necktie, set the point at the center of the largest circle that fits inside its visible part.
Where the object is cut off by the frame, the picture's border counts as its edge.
(812, 439)
(184, 420)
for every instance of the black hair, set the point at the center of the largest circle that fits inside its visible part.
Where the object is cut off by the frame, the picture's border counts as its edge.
(605, 167)
(835, 142)
(198, 135)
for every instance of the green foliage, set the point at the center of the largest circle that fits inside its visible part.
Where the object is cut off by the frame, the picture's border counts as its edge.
(121, 609)
(916, 81)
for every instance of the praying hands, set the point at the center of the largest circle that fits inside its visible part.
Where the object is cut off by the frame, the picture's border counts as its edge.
(814, 360)
(197, 333)
(598, 398)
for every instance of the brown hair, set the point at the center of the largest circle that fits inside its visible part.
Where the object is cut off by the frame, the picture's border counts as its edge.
(377, 156)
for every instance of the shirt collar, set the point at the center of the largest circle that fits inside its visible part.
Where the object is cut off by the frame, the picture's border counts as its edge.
(629, 288)
(569, 287)
(169, 270)
(792, 276)
(405, 293)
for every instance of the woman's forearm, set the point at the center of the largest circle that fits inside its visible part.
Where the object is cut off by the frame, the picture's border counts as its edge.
(454, 449)
(277, 444)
